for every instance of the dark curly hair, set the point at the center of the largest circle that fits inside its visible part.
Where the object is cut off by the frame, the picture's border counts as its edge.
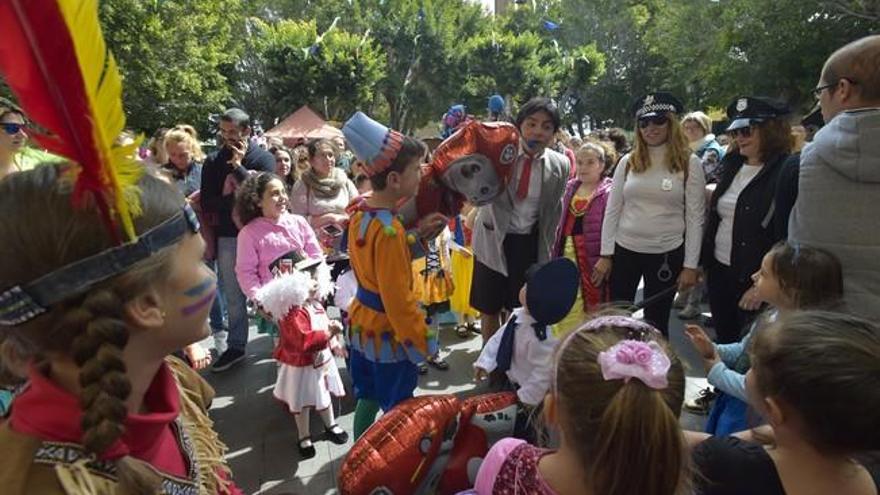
(249, 195)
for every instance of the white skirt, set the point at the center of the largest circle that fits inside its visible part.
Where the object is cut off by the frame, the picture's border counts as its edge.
(307, 386)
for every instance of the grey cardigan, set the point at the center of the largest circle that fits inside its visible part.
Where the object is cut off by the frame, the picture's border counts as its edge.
(493, 219)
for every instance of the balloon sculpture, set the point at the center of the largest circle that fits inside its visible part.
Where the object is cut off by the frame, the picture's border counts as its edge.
(473, 165)
(428, 444)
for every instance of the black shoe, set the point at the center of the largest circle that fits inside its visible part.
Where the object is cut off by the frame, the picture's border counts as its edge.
(306, 449)
(423, 368)
(227, 360)
(339, 436)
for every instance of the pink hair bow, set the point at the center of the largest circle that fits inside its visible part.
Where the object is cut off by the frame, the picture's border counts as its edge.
(634, 359)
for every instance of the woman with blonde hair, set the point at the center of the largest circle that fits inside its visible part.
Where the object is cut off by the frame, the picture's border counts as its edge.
(653, 223)
(185, 157)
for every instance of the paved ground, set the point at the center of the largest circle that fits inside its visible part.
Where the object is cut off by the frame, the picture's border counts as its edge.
(261, 435)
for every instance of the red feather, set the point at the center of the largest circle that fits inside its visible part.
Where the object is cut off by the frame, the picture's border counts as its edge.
(40, 65)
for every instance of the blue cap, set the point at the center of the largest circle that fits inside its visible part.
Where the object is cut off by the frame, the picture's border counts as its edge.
(373, 143)
(496, 103)
(551, 290)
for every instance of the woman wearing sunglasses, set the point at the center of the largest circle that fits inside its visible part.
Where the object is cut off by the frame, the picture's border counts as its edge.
(743, 211)
(653, 223)
(12, 140)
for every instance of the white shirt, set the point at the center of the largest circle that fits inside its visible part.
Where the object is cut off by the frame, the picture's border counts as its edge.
(526, 210)
(654, 211)
(532, 361)
(727, 211)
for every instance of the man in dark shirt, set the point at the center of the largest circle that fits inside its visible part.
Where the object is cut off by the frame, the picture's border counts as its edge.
(222, 171)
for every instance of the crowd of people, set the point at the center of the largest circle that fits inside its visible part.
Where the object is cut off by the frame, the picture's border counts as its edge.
(783, 244)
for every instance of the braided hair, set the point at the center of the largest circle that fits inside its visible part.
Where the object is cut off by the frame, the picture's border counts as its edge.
(43, 234)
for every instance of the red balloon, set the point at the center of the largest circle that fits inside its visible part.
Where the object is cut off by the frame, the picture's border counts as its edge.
(429, 444)
(395, 456)
(484, 420)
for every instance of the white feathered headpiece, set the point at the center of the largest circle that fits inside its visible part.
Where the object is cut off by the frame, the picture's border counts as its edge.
(293, 289)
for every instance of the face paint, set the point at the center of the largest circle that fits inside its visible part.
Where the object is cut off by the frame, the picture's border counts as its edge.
(200, 289)
(201, 303)
(206, 290)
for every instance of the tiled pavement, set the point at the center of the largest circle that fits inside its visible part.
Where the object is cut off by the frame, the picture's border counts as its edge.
(261, 435)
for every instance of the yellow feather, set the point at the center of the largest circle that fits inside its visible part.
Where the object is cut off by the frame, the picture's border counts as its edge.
(103, 85)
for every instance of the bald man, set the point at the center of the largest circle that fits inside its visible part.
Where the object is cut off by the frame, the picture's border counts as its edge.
(838, 203)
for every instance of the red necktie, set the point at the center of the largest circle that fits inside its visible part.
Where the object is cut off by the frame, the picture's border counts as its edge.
(522, 189)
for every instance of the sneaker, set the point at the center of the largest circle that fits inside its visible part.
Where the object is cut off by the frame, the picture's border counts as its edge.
(690, 312)
(702, 402)
(227, 360)
(220, 342)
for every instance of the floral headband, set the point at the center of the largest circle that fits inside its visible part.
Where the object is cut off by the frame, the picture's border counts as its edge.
(633, 357)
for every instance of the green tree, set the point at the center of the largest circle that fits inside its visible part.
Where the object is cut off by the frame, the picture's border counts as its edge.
(175, 57)
(422, 40)
(714, 52)
(335, 71)
(617, 27)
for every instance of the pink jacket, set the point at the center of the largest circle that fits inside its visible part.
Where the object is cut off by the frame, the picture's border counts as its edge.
(263, 241)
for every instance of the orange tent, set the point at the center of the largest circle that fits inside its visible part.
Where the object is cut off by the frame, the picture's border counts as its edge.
(302, 125)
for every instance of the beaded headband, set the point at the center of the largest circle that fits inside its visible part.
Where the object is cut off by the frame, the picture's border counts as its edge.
(20, 304)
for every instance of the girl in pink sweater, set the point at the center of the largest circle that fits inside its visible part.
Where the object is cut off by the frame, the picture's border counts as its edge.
(270, 234)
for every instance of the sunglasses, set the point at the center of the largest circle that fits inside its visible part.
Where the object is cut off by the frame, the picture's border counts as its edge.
(657, 120)
(12, 129)
(744, 132)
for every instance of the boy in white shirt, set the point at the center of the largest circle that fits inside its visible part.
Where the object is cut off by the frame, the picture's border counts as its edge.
(524, 348)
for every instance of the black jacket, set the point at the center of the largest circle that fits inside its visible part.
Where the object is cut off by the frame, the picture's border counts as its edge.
(756, 219)
(216, 205)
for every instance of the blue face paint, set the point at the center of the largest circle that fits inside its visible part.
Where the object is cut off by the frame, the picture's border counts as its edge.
(201, 303)
(197, 290)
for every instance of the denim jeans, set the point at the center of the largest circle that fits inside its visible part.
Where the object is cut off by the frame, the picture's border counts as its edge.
(217, 316)
(236, 305)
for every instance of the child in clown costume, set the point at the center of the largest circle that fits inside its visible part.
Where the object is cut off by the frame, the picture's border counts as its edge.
(389, 336)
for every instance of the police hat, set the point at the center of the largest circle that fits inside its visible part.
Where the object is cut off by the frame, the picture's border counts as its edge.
(657, 103)
(747, 110)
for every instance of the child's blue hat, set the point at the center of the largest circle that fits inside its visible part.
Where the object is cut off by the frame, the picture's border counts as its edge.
(551, 290)
(373, 143)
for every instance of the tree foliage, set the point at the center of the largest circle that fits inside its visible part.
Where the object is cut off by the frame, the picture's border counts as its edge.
(407, 61)
(336, 71)
(175, 57)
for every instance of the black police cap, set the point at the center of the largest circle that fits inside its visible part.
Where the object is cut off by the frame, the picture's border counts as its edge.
(656, 103)
(747, 110)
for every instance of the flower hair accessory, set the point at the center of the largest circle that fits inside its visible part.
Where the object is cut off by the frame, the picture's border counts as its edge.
(634, 359)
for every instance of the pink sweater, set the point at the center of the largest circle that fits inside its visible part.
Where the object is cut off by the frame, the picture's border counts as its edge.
(263, 241)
